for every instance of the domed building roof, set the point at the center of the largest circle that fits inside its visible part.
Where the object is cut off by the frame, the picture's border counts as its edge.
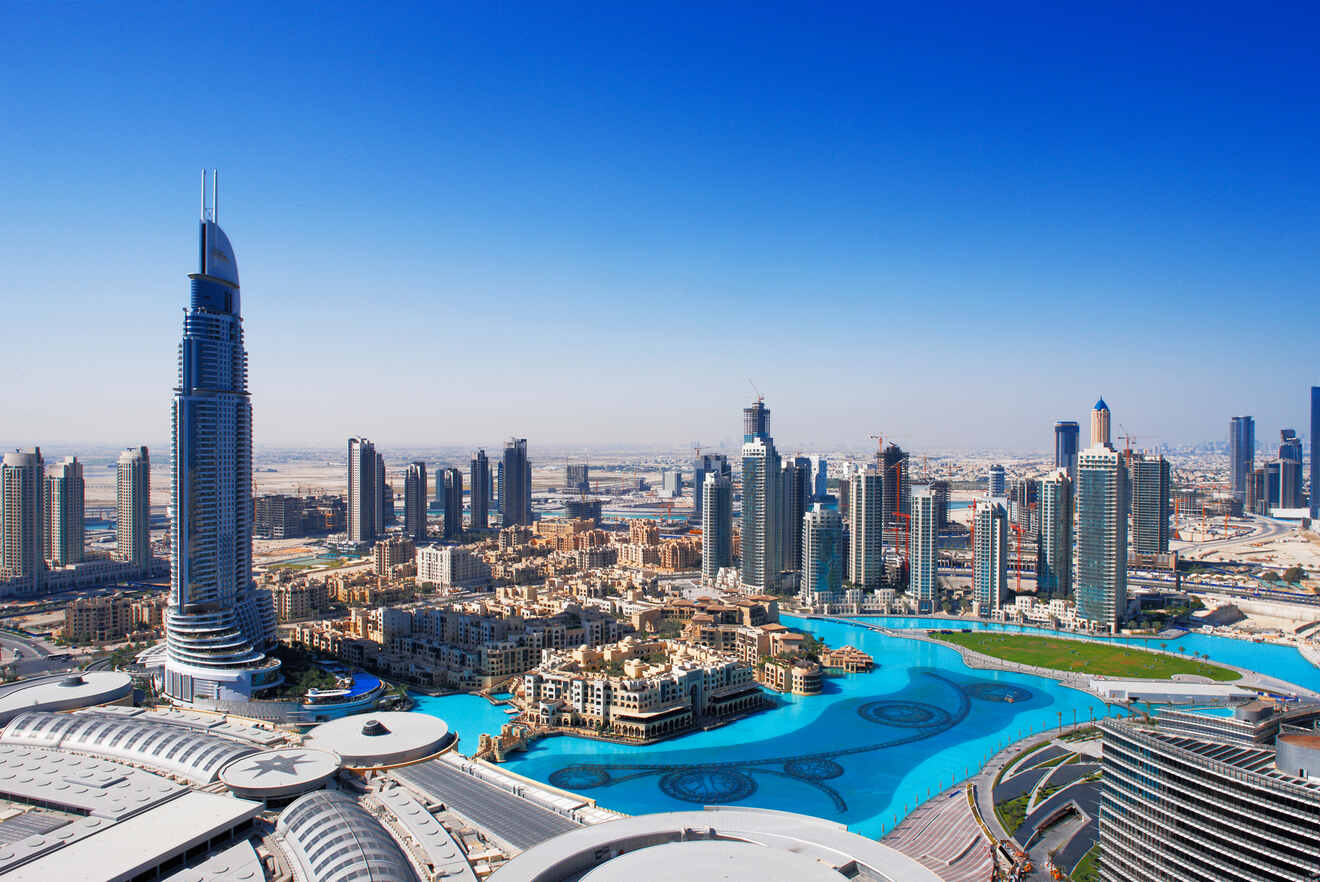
(721, 842)
(373, 740)
(1100, 405)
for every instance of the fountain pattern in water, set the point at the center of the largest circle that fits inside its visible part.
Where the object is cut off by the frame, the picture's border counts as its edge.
(897, 721)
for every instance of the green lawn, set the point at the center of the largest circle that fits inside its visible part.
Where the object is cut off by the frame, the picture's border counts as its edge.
(1101, 659)
(1012, 813)
(1087, 869)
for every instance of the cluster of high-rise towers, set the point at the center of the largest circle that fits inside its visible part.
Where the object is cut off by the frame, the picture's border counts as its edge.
(794, 534)
(43, 541)
(1276, 483)
(507, 490)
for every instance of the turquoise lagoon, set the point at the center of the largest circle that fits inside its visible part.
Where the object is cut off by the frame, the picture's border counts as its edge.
(864, 753)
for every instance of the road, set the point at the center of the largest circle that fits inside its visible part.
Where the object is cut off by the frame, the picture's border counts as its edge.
(510, 818)
(36, 655)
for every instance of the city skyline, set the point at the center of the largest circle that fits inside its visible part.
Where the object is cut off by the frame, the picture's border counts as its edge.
(647, 179)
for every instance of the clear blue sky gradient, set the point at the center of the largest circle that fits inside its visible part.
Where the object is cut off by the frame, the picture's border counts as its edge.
(953, 224)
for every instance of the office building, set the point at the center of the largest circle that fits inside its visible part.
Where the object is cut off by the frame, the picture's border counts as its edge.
(63, 513)
(820, 475)
(1065, 447)
(1290, 467)
(276, 516)
(133, 507)
(1150, 505)
(366, 504)
(703, 465)
(671, 483)
(1241, 456)
(921, 549)
(453, 483)
(716, 525)
(941, 491)
(415, 501)
(22, 488)
(1290, 484)
(995, 481)
(1211, 795)
(479, 472)
(499, 488)
(1100, 547)
(1023, 503)
(1100, 425)
(895, 476)
(866, 526)
(990, 557)
(1315, 453)
(516, 487)
(217, 624)
(796, 497)
(1054, 551)
(762, 509)
(384, 497)
(821, 555)
(577, 478)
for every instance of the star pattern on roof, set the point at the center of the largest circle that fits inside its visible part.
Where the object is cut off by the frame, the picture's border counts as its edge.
(284, 764)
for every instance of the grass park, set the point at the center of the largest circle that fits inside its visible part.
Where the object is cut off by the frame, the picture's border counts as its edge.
(1083, 656)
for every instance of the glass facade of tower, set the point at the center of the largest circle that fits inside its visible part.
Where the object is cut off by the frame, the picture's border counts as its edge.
(479, 473)
(702, 466)
(415, 501)
(516, 488)
(1241, 455)
(866, 527)
(1315, 452)
(1065, 447)
(217, 623)
(453, 483)
(921, 550)
(822, 555)
(1101, 543)
(1054, 555)
(716, 524)
(990, 557)
(762, 530)
(1150, 505)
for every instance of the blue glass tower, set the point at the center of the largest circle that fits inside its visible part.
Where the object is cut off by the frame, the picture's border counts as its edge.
(1065, 447)
(1315, 452)
(217, 624)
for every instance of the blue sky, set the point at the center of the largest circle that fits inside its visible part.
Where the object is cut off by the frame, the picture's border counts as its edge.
(952, 224)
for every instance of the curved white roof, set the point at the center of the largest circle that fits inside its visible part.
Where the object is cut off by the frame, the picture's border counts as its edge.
(333, 839)
(80, 784)
(173, 749)
(703, 844)
(74, 691)
(281, 772)
(711, 859)
(383, 738)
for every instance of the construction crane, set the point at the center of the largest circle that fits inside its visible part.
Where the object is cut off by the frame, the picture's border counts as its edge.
(1017, 528)
(696, 449)
(879, 445)
(759, 397)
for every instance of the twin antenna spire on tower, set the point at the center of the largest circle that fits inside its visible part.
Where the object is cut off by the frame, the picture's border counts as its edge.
(214, 215)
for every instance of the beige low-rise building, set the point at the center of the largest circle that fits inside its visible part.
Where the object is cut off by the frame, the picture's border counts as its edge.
(638, 690)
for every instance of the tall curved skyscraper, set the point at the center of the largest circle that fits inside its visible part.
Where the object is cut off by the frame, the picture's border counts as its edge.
(217, 624)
